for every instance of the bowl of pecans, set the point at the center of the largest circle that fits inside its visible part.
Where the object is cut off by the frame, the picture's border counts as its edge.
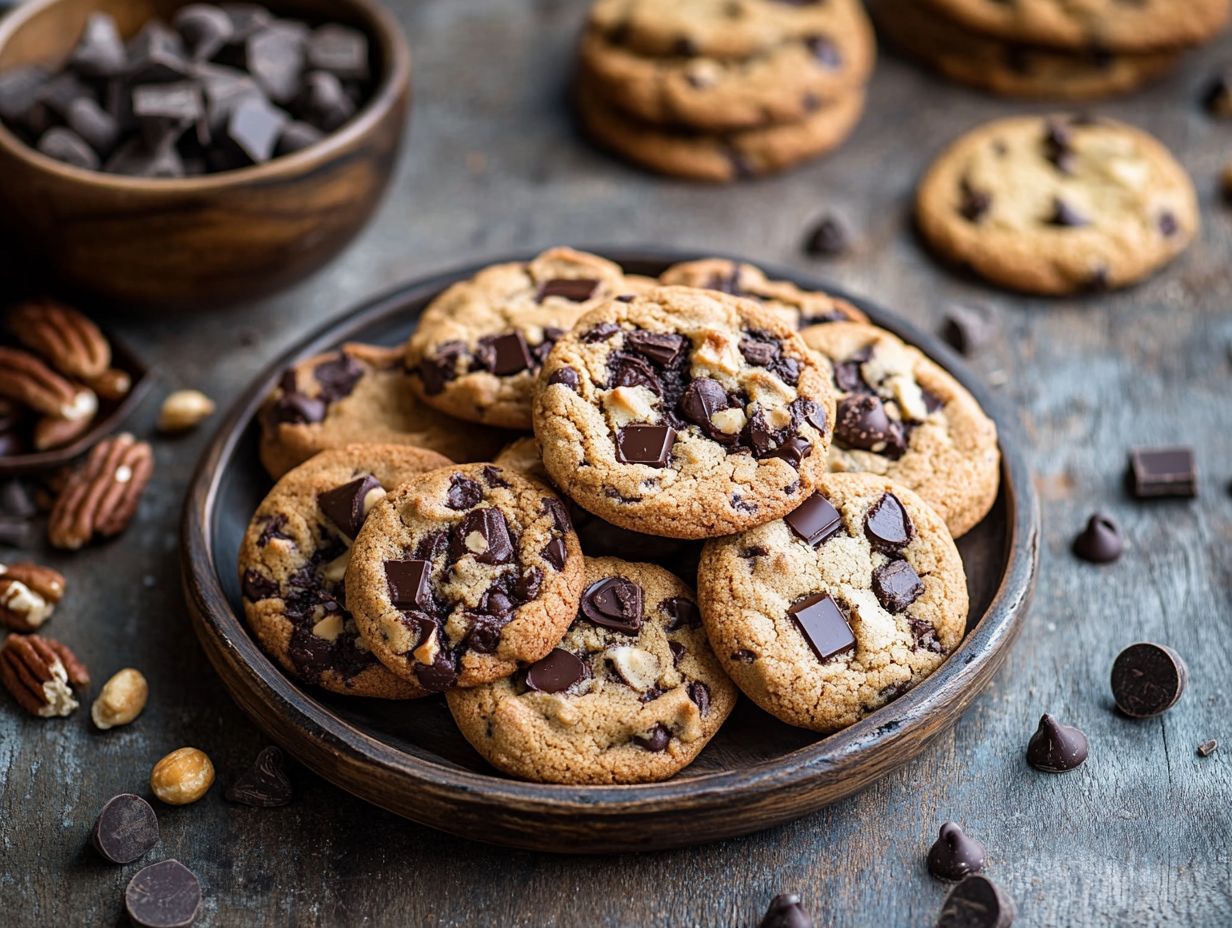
(187, 155)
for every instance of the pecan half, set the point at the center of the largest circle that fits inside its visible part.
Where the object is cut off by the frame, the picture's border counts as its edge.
(54, 432)
(71, 342)
(40, 674)
(25, 378)
(28, 595)
(101, 498)
(112, 384)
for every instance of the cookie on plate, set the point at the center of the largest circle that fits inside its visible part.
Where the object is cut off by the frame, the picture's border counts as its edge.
(359, 393)
(684, 413)
(1057, 204)
(827, 615)
(631, 695)
(799, 308)
(464, 575)
(902, 416)
(294, 557)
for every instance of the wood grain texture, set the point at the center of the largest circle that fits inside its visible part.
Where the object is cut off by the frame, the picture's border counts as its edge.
(1142, 835)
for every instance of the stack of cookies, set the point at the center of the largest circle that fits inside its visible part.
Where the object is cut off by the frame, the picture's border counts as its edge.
(1045, 49)
(805, 471)
(723, 89)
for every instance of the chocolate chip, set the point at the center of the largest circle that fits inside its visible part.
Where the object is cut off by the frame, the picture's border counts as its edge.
(505, 354)
(556, 552)
(257, 586)
(100, 50)
(656, 741)
(600, 333)
(265, 785)
(973, 203)
(341, 50)
(463, 493)
(1056, 748)
(163, 895)
(969, 328)
(887, 525)
(976, 902)
(702, 399)
(560, 515)
(254, 128)
(93, 124)
(125, 829)
(20, 89)
(1148, 679)
(1207, 748)
(1100, 542)
(483, 533)
(338, 376)
(614, 603)
(275, 58)
(1168, 226)
(296, 136)
(661, 348)
(204, 28)
(566, 376)
(828, 238)
(1163, 472)
(896, 585)
(1097, 280)
(760, 348)
(576, 290)
(493, 476)
(954, 855)
(645, 444)
(1057, 146)
(786, 912)
(862, 423)
(556, 672)
(849, 373)
(700, 694)
(408, 581)
(485, 634)
(438, 676)
(344, 505)
(743, 657)
(1217, 97)
(678, 652)
(67, 146)
(794, 450)
(324, 102)
(442, 367)
(815, 520)
(627, 370)
(823, 625)
(298, 409)
(681, 613)
(1065, 215)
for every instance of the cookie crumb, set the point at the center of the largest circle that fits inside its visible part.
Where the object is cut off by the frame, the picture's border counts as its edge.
(828, 238)
(1207, 748)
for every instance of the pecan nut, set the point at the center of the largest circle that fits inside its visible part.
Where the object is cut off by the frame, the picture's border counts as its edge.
(112, 384)
(41, 673)
(28, 595)
(25, 378)
(54, 432)
(101, 498)
(71, 342)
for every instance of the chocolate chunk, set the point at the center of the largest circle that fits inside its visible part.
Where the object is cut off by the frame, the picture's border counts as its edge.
(265, 785)
(973, 203)
(156, 55)
(556, 552)
(345, 505)
(1065, 215)
(661, 348)
(823, 625)
(969, 328)
(441, 367)
(167, 108)
(254, 128)
(1163, 472)
(645, 444)
(67, 146)
(976, 902)
(94, 124)
(955, 855)
(896, 585)
(1207, 748)
(505, 354)
(222, 90)
(1167, 224)
(824, 51)
(463, 493)
(702, 399)
(204, 28)
(560, 515)
(600, 333)
(483, 533)
(163, 895)
(794, 450)
(700, 694)
(341, 50)
(1100, 542)
(743, 657)
(296, 136)
(298, 409)
(257, 586)
(246, 18)
(556, 672)
(862, 423)
(629, 370)
(614, 603)
(275, 58)
(681, 613)
(1217, 97)
(1057, 147)
(408, 583)
(100, 50)
(125, 829)
(815, 520)
(786, 912)
(849, 373)
(566, 376)
(828, 238)
(1056, 748)
(1148, 679)
(656, 741)
(438, 676)
(324, 102)
(887, 525)
(760, 348)
(576, 290)
(20, 89)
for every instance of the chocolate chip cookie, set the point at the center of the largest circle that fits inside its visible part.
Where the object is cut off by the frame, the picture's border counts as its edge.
(1058, 204)
(902, 416)
(465, 575)
(847, 603)
(798, 308)
(684, 413)
(294, 558)
(359, 393)
(480, 344)
(631, 695)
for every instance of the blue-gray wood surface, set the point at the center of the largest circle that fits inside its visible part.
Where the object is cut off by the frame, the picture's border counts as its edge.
(1139, 836)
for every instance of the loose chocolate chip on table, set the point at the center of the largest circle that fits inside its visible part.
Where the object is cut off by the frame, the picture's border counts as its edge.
(815, 520)
(968, 328)
(976, 902)
(345, 505)
(614, 603)
(1057, 748)
(67, 146)
(556, 672)
(1100, 542)
(408, 583)
(1148, 679)
(823, 625)
(645, 444)
(1207, 748)
(125, 830)
(888, 526)
(954, 854)
(1163, 472)
(896, 585)
(578, 290)
(785, 911)
(163, 895)
(1065, 215)
(827, 238)
(656, 741)
(265, 785)
(1217, 97)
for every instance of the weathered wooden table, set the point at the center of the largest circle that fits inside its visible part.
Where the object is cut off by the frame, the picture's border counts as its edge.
(1142, 835)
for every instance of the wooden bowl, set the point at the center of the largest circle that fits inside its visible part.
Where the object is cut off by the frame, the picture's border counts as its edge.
(756, 773)
(202, 241)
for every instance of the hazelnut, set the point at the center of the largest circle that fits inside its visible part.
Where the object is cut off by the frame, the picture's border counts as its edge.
(183, 776)
(121, 699)
(183, 410)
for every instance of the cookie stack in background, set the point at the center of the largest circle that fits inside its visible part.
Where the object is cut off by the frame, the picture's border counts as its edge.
(718, 90)
(1045, 49)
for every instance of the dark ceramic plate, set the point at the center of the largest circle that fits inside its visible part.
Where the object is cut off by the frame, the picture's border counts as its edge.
(411, 759)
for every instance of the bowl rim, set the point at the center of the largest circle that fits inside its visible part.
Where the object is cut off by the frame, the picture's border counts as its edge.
(223, 633)
(394, 82)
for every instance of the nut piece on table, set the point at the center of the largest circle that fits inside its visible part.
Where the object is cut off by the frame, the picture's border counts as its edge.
(28, 595)
(40, 674)
(71, 342)
(183, 410)
(121, 699)
(183, 776)
(101, 497)
(25, 378)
